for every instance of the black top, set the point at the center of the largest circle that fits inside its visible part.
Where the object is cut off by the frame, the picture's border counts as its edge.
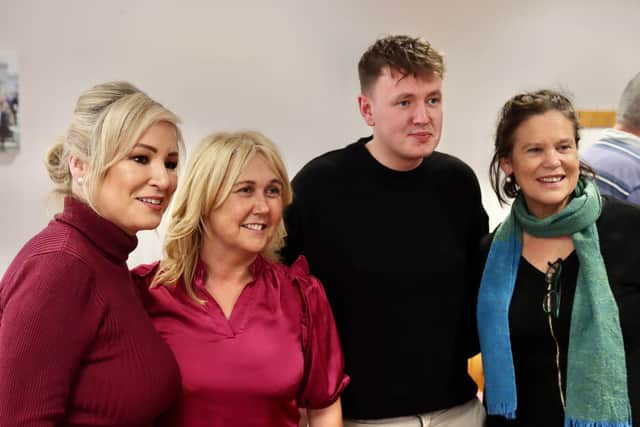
(532, 344)
(393, 251)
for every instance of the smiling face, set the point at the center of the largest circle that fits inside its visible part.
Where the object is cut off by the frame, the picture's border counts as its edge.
(248, 219)
(544, 161)
(136, 190)
(405, 112)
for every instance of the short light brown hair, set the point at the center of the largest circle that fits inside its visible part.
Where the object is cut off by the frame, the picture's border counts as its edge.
(213, 170)
(407, 55)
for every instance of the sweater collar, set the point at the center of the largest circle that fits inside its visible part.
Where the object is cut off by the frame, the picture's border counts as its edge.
(374, 165)
(104, 234)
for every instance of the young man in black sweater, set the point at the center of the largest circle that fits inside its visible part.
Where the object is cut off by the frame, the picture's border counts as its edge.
(389, 226)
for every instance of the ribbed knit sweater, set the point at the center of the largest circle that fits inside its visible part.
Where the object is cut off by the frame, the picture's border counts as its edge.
(76, 346)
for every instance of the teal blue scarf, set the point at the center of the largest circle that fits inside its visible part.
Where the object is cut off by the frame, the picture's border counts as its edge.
(596, 369)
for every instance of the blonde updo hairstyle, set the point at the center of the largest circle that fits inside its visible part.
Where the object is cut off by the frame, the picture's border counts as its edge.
(108, 121)
(213, 170)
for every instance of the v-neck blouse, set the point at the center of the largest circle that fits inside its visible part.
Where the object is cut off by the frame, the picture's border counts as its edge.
(235, 324)
(279, 349)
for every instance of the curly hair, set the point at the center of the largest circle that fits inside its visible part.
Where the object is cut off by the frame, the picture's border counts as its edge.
(515, 112)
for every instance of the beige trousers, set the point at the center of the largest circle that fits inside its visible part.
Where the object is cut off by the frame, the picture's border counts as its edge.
(470, 414)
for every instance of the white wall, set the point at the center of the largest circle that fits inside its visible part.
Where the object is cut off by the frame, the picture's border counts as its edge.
(288, 68)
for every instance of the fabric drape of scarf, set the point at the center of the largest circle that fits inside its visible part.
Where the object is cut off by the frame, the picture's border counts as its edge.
(596, 392)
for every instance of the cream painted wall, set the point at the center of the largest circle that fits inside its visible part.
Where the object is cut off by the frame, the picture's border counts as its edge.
(288, 68)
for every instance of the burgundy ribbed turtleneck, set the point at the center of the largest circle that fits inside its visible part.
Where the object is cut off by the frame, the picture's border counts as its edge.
(76, 347)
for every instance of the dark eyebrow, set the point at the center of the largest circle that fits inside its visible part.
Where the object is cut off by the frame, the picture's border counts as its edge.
(155, 150)
(538, 143)
(530, 144)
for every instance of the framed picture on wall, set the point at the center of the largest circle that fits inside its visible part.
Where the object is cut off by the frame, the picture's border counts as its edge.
(9, 114)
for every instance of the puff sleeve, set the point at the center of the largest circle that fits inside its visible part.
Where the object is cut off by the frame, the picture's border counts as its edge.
(324, 376)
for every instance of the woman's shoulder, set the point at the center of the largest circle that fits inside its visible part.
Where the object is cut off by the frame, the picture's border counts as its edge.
(619, 216)
(619, 230)
(619, 209)
(55, 240)
(48, 272)
(56, 245)
(297, 273)
(144, 271)
(143, 275)
(297, 278)
(485, 244)
(486, 240)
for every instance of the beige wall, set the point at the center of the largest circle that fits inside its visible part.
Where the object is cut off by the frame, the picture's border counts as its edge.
(287, 68)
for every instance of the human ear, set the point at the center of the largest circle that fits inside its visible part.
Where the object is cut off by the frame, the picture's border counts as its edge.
(364, 104)
(78, 168)
(506, 166)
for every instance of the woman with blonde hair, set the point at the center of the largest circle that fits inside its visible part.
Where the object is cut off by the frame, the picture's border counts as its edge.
(254, 339)
(76, 346)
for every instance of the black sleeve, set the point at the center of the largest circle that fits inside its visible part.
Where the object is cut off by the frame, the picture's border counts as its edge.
(478, 228)
(619, 232)
(294, 240)
(294, 217)
(479, 231)
(308, 187)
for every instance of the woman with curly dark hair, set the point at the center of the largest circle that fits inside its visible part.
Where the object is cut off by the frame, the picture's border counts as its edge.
(560, 289)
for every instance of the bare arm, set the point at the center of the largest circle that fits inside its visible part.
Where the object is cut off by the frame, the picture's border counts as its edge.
(331, 416)
(304, 421)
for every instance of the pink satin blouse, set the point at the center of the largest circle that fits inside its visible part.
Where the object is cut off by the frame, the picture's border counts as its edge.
(278, 351)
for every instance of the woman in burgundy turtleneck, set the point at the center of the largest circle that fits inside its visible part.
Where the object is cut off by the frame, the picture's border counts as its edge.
(76, 346)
